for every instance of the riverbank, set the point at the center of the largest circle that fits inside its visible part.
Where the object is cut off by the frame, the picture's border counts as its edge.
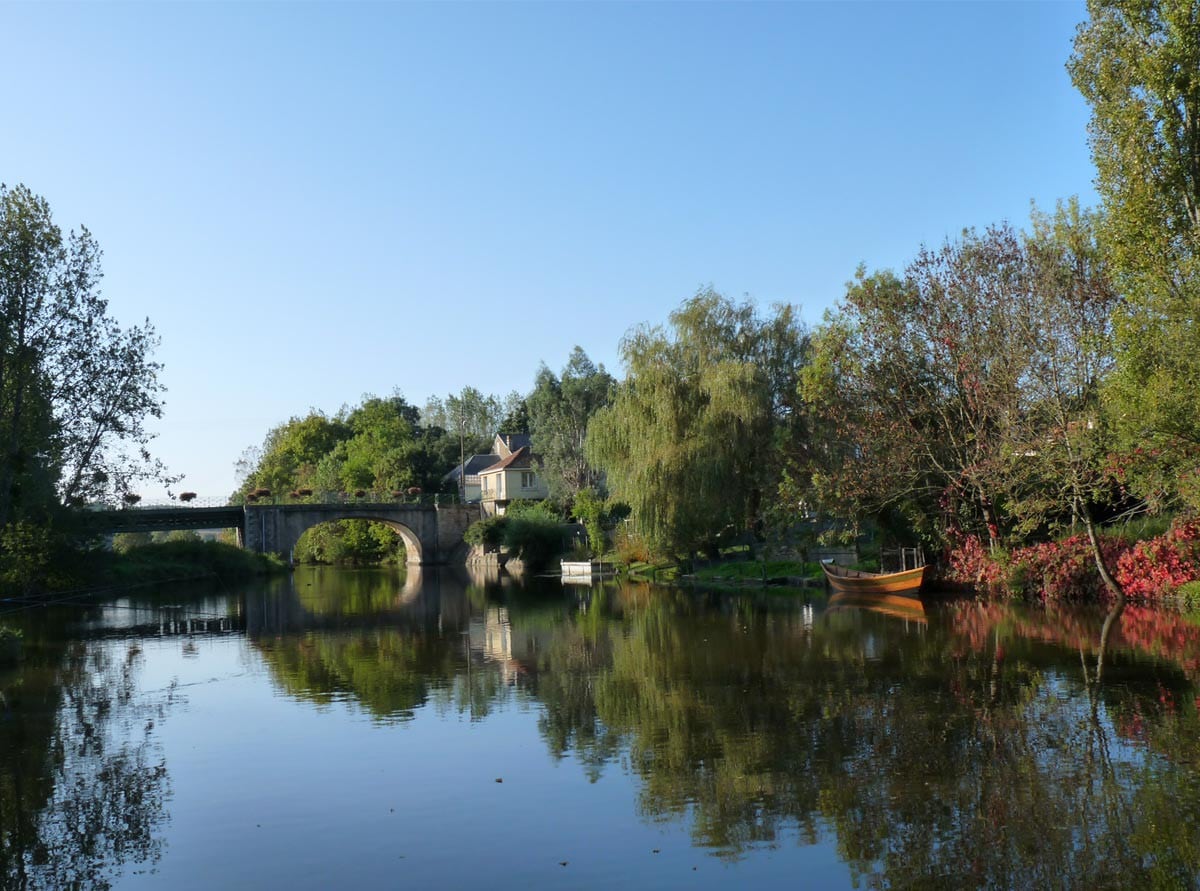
(158, 562)
(181, 559)
(732, 573)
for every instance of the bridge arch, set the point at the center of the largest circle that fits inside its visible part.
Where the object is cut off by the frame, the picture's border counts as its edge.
(413, 551)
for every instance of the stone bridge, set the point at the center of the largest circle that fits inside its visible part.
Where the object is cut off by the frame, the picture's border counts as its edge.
(432, 533)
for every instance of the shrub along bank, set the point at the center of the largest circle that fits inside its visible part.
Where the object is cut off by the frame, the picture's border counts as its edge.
(1154, 569)
(531, 532)
(187, 559)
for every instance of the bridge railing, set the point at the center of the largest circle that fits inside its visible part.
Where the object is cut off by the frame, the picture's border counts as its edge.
(361, 496)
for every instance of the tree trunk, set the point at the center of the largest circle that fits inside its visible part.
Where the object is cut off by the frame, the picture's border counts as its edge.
(1111, 583)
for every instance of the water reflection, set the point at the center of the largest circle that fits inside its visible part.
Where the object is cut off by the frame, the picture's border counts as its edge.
(969, 745)
(83, 785)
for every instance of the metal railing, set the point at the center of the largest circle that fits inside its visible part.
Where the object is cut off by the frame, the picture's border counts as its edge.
(367, 497)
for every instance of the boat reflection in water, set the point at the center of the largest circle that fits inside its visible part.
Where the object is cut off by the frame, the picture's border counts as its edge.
(899, 606)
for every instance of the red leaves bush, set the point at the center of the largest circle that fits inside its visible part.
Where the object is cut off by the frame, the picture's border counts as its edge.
(1066, 569)
(1156, 568)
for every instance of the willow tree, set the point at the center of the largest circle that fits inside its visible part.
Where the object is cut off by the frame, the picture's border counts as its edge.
(692, 438)
(1137, 62)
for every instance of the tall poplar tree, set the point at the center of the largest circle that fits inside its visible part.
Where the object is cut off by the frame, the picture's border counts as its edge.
(1137, 62)
(560, 409)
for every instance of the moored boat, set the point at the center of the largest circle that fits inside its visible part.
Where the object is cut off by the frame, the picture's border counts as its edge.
(855, 581)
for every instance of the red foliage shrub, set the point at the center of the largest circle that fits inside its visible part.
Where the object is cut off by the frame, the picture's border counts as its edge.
(1066, 569)
(971, 564)
(1155, 568)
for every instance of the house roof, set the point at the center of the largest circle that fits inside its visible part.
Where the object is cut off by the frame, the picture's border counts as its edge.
(514, 441)
(475, 464)
(520, 459)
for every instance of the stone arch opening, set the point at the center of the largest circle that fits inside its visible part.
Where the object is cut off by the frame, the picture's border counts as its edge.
(412, 543)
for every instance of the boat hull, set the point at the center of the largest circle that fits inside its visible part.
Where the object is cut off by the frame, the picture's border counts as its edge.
(851, 581)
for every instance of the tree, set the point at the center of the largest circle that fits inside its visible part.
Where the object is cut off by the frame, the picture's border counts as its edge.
(291, 453)
(559, 412)
(964, 395)
(1059, 444)
(913, 378)
(471, 416)
(376, 446)
(516, 414)
(691, 439)
(471, 413)
(75, 388)
(1137, 62)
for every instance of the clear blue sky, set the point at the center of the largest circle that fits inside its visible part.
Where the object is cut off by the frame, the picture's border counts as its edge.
(316, 202)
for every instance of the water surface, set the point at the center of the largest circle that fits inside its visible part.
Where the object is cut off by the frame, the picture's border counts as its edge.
(372, 729)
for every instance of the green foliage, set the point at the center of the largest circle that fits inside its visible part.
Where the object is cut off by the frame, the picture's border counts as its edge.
(1135, 62)
(749, 570)
(75, 388)
(124, 542)
(533, 533)
(27, 552)
(629, 546)
(185, 559)
(534, 538)
(350, 542)
(536, 510)
(487, 533)
(473, 415)
(1189, 594)
(175, 535)
(560, 409)
(692, 440)
(589, 508)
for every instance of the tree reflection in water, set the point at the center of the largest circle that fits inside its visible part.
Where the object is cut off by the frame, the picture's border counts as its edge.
(83, 786)
(972, 751)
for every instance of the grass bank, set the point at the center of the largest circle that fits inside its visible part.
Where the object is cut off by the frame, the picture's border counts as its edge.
(184, 559)
(736, 572)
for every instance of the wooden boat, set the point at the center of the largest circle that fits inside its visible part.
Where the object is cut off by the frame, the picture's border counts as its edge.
(854, 581)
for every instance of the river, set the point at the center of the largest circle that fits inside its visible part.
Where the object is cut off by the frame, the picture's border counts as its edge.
(372, 729)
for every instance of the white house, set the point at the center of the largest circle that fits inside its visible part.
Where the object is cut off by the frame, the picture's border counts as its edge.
(505, 474)
(515, 476)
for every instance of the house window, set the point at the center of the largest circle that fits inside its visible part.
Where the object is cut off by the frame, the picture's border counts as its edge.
(528, 479)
